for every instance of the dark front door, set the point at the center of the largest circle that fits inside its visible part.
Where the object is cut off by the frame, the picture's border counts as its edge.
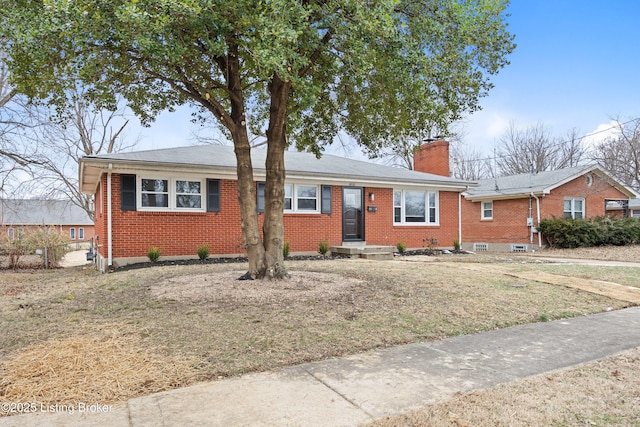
(352, 214)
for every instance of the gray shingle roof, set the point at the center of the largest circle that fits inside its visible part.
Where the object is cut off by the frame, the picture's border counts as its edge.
(42, 212)
(296, 163)
(537, 183)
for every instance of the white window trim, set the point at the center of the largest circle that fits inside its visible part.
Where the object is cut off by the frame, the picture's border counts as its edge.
(11, 233)
(573, 205)
(427, 207)
(72, 233)
(81, 233)
(172, 194)
(482, 210)
(294, 199)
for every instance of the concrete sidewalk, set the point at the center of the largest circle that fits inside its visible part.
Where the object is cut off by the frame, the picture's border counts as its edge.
(363, 387)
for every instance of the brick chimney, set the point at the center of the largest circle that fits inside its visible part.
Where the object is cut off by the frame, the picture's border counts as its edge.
(432, 157)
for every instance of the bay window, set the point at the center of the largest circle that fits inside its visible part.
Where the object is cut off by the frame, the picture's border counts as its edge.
(412, 207)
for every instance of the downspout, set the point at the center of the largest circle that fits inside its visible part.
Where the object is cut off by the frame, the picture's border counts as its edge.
(538, 213)
(109, 220)
(530, 215)
(460, 217)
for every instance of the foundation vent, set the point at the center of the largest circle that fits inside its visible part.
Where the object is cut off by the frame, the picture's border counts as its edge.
(480, 247)
(518, 248)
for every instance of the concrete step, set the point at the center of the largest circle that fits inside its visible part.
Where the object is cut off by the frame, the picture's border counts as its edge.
(380, 256)
(346, 250)
(364, 251)
(377, 249)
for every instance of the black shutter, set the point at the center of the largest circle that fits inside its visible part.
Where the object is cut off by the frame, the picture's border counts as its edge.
(213, 195)
(326, 199)
(260, 196)
(128, 192)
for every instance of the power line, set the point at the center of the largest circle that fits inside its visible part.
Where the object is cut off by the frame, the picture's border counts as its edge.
(558, 143)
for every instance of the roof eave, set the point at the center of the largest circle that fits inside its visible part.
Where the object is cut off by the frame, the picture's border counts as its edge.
(92, 169)
(504, 196)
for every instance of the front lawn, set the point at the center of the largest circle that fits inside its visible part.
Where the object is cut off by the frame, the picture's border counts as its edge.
(139, 331)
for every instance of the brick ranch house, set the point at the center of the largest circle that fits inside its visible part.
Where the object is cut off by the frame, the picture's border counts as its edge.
(18, 216)
(178, 199)
(500, 214)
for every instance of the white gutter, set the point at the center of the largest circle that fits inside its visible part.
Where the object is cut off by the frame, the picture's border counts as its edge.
(460, 217)
(109, 219)
(538, 212)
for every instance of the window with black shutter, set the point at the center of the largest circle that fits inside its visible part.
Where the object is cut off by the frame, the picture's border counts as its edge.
(128, 192)
(326, 199)
(260, 196)
(213, 195)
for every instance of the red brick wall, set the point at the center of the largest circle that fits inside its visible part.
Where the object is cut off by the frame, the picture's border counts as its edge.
(379, 228)
(594, 195)
(180, 233)
(509, 223)
(176, 233)
(304, 232)
(432, 157)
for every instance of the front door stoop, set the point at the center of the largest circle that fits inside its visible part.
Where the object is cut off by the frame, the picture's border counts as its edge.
(361, 250)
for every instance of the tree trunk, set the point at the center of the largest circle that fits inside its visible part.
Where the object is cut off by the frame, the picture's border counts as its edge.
(273, 227)
(246, 186)
(265, 254)
(248, 210)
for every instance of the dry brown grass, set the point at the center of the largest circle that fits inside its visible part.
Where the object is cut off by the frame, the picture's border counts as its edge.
(177, 325)
(629, 253)
(106, 368)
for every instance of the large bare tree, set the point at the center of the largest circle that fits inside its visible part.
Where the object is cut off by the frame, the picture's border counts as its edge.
(535, 149)
(620, 154)
(19, 150)
(40, 146)
(468, 163)
(78, 130)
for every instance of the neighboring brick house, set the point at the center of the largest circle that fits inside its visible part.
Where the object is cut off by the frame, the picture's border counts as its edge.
(20, 215)
(624, 208)
(180, 198)
(501, 214)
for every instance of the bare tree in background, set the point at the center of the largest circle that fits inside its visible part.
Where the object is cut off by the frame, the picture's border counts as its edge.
(620, 154)
(19, 151)
(469, 164)
(40, 148)
(535, 149)
(79, 131)
(571, 150)
(401, 154)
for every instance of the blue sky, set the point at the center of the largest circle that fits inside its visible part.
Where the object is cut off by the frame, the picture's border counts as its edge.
(577, 65)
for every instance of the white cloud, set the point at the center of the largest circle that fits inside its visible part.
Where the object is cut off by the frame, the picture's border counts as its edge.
(482, 129)
(603, 131)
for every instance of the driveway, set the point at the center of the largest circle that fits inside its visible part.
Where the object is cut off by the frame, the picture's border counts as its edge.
(75, 259)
